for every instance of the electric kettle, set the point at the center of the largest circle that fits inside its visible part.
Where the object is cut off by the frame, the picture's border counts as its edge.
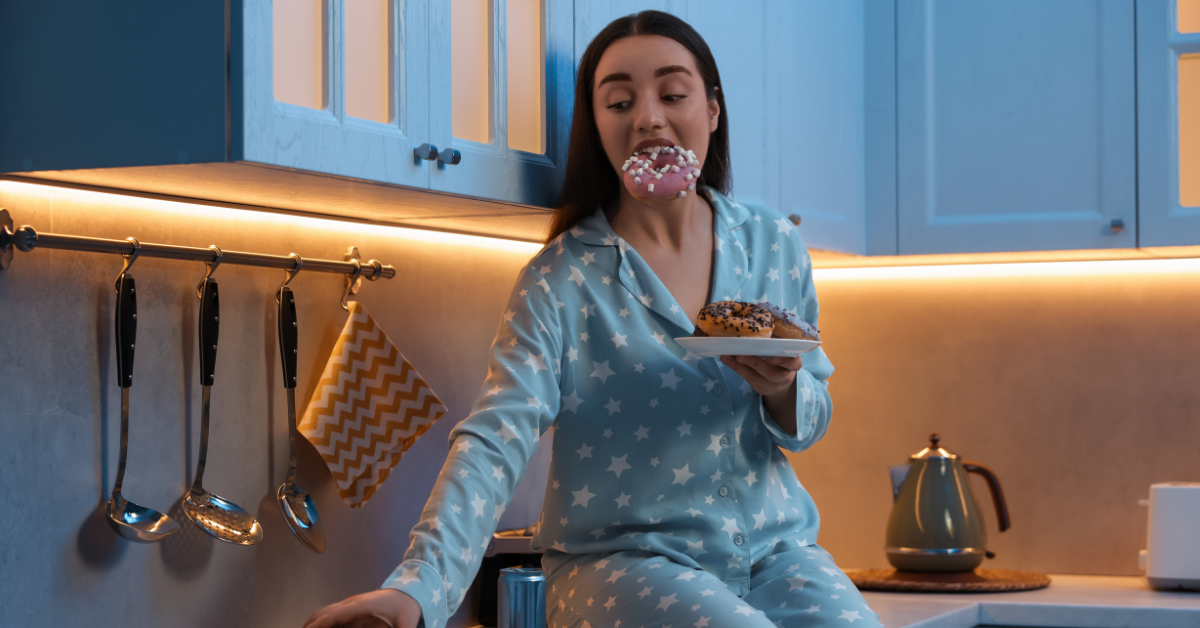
(935, 523)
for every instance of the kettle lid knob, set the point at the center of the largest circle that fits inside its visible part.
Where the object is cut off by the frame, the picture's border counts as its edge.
(934, 450)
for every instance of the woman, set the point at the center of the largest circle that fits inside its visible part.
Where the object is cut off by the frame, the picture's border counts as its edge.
(668, 499)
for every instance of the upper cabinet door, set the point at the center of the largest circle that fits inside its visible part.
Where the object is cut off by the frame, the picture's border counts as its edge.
(1016, 125)
(501, 85)
(1168, 122)
(818, 48)
(333, 86)
(736, 33)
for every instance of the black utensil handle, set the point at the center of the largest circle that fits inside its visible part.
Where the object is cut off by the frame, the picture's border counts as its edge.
(993, 483)
(288, 336)
(126, 329)
(210, 324)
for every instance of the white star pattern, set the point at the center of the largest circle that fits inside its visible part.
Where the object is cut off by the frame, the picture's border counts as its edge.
(670, 380)
(618, 465)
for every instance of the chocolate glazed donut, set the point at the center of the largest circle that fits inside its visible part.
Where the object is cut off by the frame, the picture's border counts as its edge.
(736, 318)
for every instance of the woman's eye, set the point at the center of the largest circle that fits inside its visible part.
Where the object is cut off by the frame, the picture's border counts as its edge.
(674, 97)
(624, 104)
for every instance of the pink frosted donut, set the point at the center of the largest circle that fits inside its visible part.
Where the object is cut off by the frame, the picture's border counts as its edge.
(661, 172)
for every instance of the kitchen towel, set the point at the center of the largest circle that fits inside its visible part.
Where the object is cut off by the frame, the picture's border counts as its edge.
(370, 406)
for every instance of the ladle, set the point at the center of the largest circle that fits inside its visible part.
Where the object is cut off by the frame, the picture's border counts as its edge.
(131, 521)
(214, 514)
(297, 505)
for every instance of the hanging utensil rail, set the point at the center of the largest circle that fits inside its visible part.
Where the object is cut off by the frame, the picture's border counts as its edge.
(25, 239)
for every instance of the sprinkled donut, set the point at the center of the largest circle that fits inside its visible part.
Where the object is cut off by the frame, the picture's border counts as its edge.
(736, 318)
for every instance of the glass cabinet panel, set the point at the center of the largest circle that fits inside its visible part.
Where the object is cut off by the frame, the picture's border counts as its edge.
(298, 40)
(1189, 130)
(1187, 16)
(368, 59)
(526, 75)
(471, 69)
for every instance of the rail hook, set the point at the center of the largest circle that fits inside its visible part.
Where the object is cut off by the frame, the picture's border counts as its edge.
(129, 260)
(210, 268)
(378, 269)
(350, 279)
(289, 274)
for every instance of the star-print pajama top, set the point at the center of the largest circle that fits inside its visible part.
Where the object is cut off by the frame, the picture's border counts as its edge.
(654, 448)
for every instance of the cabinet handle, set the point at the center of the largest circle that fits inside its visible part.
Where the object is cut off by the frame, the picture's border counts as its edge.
(450, 156)
(426, 151)
(1117, 225)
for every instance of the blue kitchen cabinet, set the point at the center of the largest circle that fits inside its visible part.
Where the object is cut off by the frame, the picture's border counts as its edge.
(262, 103)
(502, 155)
(1015, 125)
(326, 137)
(836, 155)
(146, 84)
(1168, 181)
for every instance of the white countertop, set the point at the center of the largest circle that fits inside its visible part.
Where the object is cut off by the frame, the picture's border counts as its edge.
(1069, 602)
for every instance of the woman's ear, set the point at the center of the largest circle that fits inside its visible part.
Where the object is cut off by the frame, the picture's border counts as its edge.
(714, 115)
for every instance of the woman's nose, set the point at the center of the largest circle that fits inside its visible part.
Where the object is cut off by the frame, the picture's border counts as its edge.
(649, 114)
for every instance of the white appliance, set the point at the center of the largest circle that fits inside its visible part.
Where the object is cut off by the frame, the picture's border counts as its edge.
(1171, 559)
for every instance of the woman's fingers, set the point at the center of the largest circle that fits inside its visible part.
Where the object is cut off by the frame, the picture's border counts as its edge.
(354, 612)
(333, 615)
(366, 610)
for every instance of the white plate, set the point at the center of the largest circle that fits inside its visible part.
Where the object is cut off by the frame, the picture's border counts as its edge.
(713, 346)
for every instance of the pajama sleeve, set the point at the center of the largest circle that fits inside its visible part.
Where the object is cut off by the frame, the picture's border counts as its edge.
(813, 405)
(489, 451)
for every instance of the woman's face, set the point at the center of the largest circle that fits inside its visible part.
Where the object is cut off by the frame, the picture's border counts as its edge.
(647, 90)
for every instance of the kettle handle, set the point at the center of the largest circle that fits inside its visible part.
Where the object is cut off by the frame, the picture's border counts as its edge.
(994, 486)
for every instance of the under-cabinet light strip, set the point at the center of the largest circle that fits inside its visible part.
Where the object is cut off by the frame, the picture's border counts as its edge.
(1012, 270)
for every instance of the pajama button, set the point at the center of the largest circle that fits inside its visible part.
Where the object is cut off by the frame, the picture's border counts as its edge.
(718, 389)
(724, 441)
(723, 492)
(738, 540)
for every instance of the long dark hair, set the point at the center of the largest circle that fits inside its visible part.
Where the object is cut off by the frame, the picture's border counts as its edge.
(590, 181)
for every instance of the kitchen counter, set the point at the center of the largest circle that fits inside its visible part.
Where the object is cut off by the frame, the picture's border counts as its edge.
(1069, 601)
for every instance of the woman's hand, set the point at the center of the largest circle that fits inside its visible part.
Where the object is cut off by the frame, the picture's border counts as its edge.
(774, 379)
(769, 377)
(369, 610)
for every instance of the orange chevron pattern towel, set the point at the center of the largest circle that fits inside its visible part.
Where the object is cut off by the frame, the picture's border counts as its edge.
(370, 406)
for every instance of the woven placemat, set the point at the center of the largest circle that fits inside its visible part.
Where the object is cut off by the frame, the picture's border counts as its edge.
(978, 581)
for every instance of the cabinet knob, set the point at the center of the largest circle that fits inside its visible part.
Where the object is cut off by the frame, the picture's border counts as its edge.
(426, 151)
(450, 156)
(795, 218)
(1117, 225)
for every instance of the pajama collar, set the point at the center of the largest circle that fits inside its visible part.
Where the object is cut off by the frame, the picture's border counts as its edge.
(641, 282)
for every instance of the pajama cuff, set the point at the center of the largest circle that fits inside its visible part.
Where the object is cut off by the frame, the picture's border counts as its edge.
(423, 583)
(807, 416)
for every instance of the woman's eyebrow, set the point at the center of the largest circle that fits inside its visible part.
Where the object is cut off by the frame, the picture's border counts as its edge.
(659, 73)
(670, 69)
(615, 76)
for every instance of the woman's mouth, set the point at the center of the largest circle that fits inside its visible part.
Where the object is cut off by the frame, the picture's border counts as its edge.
(661, 172)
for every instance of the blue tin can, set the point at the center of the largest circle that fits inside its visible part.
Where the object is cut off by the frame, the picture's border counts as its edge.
(522, 598)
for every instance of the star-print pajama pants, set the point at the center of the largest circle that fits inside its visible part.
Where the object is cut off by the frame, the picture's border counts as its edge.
(797, 587)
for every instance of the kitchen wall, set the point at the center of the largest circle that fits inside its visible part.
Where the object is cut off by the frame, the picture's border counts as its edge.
(1076, 387)
(60, 564)
(1075, 382)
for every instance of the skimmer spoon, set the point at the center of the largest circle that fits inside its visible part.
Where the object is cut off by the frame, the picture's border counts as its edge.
(132, 522)
(212, 513)
(296, 504)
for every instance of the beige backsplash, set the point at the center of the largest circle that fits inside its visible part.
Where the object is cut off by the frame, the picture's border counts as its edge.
(1079, 391)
